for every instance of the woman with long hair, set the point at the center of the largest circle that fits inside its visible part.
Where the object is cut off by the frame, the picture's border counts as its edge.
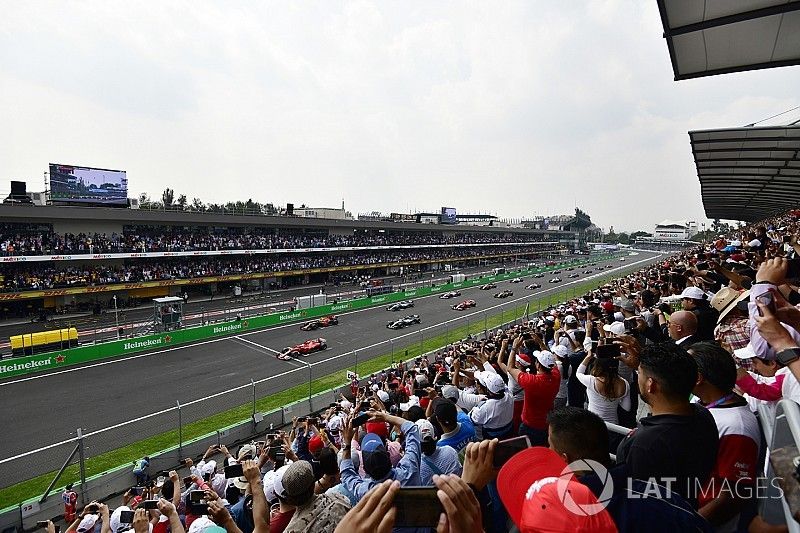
(605, 389)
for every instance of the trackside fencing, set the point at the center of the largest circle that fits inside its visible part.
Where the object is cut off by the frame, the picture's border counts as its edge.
(175, 428)
(48, 361)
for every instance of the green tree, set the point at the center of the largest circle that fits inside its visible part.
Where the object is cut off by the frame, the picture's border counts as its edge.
(167, 197)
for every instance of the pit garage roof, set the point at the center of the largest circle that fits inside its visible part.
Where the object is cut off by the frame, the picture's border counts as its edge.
(748, 173)
(707, 37)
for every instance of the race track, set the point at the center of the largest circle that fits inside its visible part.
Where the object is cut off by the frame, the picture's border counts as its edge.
(42, 409)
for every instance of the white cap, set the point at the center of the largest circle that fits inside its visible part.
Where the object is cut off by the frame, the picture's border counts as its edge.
(277, 481)
(425, 429)
(695, 293)
(545, 358)
(561, 351)
(617, 328)
(493, 382)
(209, 468)
(87, 523)
(200, 523)
(745, 353)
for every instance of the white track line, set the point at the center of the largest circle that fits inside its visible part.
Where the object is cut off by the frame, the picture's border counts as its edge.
(263, 380)
(294, 324)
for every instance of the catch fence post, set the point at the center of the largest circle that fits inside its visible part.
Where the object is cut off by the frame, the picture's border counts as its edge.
(82, 460)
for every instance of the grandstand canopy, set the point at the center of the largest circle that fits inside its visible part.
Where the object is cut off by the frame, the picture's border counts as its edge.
(708, 37)
(748, 173)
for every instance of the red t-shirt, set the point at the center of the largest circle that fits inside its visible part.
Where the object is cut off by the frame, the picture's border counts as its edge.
(540, 391)
(279, 521)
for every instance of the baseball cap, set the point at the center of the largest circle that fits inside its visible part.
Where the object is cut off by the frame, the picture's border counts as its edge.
(270, 482)
(493, 382)
(617, 328)
(247, 449)
(561, 351)
(450, 392)
(87, 523)
(536, 488)
(524, 359)
(378, 428)
(426, 430)
(296, 480)
(383, 395)
(745, 353)
(545, 358)
(315, 444)
(695, 293)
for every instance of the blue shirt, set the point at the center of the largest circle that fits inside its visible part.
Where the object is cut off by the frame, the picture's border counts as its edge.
(406, 471)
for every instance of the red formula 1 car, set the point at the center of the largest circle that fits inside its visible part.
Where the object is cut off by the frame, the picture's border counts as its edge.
(323, 322)
(466, 304)
(308, 347)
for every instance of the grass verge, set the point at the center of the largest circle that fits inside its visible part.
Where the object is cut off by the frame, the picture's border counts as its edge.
(34, 487)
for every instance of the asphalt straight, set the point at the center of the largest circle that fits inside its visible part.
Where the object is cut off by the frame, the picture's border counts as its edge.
(104, 326)
(43, 409)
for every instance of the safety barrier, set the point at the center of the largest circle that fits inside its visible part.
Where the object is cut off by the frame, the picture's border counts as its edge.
(83, 354)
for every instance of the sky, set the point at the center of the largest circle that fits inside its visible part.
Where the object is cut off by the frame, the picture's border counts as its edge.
(510, 108)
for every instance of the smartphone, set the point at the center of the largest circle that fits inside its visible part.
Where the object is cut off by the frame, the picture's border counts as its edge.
(126, 517)
(197, 502)
(417, 507)
(608, 351)
(793, 268)
(360, 419)
(149, 504)
(506, 449)
(768, 301)
(232, 471)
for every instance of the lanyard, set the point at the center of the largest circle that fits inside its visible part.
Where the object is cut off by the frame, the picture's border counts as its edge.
(720, 401)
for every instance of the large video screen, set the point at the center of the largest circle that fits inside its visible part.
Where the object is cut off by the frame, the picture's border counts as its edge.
(87, 185)
(448, 215)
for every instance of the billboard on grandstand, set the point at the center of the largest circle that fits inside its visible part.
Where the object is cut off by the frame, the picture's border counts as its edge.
(448, 215)
(87, 185)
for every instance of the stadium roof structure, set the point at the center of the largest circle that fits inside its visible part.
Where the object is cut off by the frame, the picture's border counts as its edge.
(748, 173)
(711, 37)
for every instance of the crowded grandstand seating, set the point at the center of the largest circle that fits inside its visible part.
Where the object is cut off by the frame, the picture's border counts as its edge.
(32, 276)
(15, 241)
(684, 351)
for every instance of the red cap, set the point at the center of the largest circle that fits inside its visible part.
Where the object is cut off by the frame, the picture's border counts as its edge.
(379, 428)
(315, 444)
(541, 494)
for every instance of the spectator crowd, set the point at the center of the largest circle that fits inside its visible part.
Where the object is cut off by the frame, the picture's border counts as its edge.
(511, 430)
(15, 240)
(51, 275)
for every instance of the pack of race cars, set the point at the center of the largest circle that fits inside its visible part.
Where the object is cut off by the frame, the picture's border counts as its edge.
(319, 344)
